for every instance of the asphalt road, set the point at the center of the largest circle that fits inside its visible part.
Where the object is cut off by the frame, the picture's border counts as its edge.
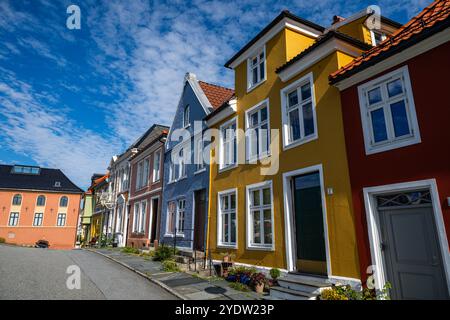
(30, 273)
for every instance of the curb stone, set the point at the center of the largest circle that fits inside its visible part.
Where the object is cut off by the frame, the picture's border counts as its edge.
(157, 282)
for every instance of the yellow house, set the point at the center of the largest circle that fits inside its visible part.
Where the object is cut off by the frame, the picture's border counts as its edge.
(297, 216)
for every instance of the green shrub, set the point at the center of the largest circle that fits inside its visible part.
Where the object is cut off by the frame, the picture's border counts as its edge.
(130, 250)
(147, 255)
(164, 253)
(170, 266)
(239, 286)
(345, 292)
(2, 240)
(275, 273)
(242, 270)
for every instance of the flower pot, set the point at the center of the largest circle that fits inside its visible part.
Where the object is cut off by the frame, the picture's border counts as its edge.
(259, 288)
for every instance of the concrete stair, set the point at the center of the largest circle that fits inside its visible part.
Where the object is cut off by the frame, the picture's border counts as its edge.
(296, 286)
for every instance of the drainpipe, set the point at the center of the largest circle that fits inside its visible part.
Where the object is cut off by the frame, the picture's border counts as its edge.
(209, 206)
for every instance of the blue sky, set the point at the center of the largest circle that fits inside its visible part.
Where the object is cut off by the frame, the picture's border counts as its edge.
(71, 99)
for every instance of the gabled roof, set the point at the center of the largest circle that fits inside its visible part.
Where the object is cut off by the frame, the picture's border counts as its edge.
(98, 181)
(431, 20)
(52, 180)
(281, 16)
(320, 41)
(217, 95)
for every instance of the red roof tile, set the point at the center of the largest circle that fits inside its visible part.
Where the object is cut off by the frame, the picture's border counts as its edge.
(216, 95)
(437, 11)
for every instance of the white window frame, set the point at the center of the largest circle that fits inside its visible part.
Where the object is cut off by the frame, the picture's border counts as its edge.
(136, 214)
(220, 243)
(67, 204)
(372, 36)
(142, 216)
(256, 109)
(249, 218)
(178, 214)
(16, 219)
(199, 161)
(296, 85)
(392, 142)
(58, 219)
(20, 197)
(40, 197)
(170, 233)
(41, 219)
(250, 84)
(222, 166)
(186, 116)
(156, 175)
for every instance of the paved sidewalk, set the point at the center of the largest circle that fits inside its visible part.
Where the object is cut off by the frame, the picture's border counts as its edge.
(181, 284)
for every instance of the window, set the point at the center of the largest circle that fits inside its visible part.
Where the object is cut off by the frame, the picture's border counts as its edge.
(388, 112)
(61, 222)
(136, 217)
(142, 217)
(171, 213)
(199, 161)
(177, 165)
(256, 69)
(63, 201)
(25, 170)
(186, 116)
(181, 215)
(259, 216)
(40, 202)
(257, 131)
(377, 37)
(13, 219)
(142, 174)
(38, 219)
(156, 166)
(17, 200)
(228, 145)
(227, 219)
(299, 112)
(172, 171)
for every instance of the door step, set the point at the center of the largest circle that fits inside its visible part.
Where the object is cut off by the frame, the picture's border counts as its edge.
(299, 287)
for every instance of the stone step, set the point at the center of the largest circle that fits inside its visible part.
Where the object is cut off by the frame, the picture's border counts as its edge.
(308, 284)
(280, 293)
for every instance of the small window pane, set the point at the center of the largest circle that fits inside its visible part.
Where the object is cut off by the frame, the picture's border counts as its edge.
(378, 125)
(263, 114)
(225, 203)
(256, 227)
(294, 124)
(306, 92)
(394, 87)
(261, 70)
(266, 196)
(308, 121)
(254, 119)
(293, 98)
(233, 201)
(255, 75)
(233, 227)
(225, 228)
(267, 226)
(256, 199)
(400, 119)
(374, 95)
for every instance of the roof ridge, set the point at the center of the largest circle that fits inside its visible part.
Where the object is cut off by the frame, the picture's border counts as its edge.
(216, 85)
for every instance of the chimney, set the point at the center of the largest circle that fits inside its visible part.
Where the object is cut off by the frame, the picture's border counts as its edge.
(337, 19)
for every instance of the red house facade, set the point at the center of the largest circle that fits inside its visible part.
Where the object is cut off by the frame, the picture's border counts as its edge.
(396, 112)
(146, 188)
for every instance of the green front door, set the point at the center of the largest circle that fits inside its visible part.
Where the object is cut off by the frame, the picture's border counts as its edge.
(309, 229)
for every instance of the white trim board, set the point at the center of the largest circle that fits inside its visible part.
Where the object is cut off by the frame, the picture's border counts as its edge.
(284, 23)
(407, 54)
(289, 216)
(316, 55)
(373, 224)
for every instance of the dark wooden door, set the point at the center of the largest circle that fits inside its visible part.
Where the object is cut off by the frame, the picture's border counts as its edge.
(309, 228)
(155, 222)
(200, 220)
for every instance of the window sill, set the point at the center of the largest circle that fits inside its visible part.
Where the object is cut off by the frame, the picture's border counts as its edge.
(227, 246)
(227, 168)
(200, 171)
(397, 144)
(254, 160)
(300, 142)
(261, 248)
(168, 235)
(254, 86)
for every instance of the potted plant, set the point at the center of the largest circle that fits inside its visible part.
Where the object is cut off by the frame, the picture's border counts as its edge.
(227, 257)
(275, 274)
(258, 280)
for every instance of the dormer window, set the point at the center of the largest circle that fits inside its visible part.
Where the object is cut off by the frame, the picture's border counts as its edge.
(57, 184)
(186, 116)
(256, 69)
(377, 37)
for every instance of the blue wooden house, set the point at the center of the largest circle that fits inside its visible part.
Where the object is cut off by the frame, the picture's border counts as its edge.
(186, 176)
